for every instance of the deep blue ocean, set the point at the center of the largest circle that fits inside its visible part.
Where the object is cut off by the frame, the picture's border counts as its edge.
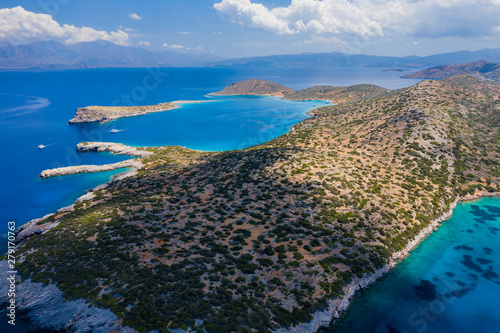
(35, 107)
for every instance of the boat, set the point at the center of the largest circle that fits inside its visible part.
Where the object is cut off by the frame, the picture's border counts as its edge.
(114, 131)
(41, 146)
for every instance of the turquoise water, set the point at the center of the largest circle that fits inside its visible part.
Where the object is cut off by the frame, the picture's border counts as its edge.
(449, 283)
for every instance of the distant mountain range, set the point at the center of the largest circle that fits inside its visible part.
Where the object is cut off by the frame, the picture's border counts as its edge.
(102, 54)
(361, 60)
(480, 69)
(98, 54)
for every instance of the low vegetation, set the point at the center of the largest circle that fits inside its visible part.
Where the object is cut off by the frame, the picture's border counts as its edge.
(257, 239)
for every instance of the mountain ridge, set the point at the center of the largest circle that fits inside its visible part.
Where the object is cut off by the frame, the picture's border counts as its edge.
(103, 54)
(98, 54)
(480, 69)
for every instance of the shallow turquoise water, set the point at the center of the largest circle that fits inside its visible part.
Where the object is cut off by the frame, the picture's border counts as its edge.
(449, 283)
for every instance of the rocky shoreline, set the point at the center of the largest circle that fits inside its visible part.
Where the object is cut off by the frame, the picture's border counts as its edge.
(115, 148)
(48, 310)
(103, 114)
(71, 170)
(323, 319)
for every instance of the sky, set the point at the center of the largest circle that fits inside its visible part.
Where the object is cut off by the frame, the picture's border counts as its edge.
(241, 28)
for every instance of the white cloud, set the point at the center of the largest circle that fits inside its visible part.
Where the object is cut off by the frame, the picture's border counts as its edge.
(20, 26)
(173, 46)
(427, 18)
(183, 32)
(145, 43)
(134, 16)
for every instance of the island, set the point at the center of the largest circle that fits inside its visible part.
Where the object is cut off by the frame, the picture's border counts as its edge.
(103, 114)
(480, 69)
(254, 87)
(276, 237)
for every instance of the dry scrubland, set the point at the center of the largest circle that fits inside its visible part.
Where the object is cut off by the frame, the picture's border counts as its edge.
(258, 239)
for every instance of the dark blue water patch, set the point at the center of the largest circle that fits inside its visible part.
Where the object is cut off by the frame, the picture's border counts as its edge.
(490, 274)
(484, 261)
(464, 247)
(494, 230)
(467, 262)
(487, 250)
(426, 290)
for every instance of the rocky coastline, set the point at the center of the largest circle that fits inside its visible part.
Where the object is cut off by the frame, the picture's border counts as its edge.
(47, 309)
(71, 170)
(323, 319)
(115, 148)
(103, 114)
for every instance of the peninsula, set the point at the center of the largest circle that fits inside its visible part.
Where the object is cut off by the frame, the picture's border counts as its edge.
(275, 237)
(480, 69)
(103, 114)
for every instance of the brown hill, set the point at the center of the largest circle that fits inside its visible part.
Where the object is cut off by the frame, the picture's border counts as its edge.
(254, 87)
(480, 69)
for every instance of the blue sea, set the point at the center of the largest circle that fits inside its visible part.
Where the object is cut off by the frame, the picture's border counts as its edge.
(449, 284)
(35, 107)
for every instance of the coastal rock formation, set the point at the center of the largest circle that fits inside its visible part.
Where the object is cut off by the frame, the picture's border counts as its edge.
(71, 170)
(115, 148)
(255, 87)
(102, 114)
(480, 69)
(47, 309)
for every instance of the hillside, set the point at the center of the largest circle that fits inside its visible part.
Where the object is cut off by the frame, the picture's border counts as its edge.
(99, 54)
(262, 238)
(480, 69)
(254, 87)
(338, 94)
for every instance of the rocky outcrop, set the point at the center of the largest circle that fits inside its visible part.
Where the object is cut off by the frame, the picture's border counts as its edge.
(255, 87)
(71, 170)
(102, 114)
(115, 148)
(47, 309)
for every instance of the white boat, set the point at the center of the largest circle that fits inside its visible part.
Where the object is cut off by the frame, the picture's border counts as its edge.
(41, 146)
(114, 131)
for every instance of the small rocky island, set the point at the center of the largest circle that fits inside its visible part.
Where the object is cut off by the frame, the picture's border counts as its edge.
(254, 87)
(103, 114)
